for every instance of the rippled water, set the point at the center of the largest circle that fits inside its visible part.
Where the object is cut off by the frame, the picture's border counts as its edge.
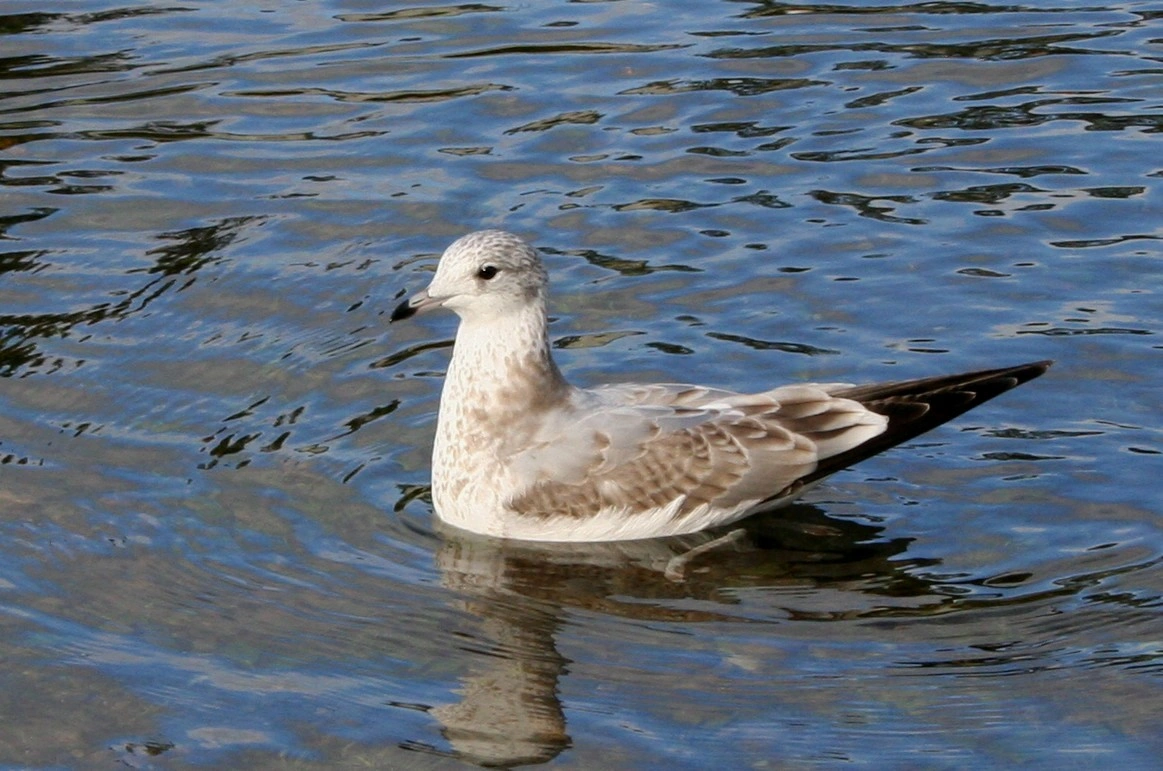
(216, 547)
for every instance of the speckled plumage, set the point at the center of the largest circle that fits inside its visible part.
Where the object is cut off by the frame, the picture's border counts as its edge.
(520, 453)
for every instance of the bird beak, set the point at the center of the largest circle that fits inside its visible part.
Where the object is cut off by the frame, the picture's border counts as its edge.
(417, 303)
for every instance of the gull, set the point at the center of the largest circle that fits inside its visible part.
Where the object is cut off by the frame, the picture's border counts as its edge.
(520, 453)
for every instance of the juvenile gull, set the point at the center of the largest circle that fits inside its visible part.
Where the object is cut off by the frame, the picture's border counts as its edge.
(520, 453)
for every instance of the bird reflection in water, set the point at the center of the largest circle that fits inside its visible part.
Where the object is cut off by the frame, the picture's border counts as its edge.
(510, 712)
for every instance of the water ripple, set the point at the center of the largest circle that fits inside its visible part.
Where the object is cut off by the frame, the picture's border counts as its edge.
(214, 452)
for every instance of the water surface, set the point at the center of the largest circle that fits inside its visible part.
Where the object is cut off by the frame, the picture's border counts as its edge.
(216, 546)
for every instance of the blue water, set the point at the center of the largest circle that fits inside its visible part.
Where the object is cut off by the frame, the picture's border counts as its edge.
(216, 546)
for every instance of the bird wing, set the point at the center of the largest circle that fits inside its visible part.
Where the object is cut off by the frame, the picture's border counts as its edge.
(637, 449)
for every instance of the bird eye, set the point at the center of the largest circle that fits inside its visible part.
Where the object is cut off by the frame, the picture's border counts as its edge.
(487, 271)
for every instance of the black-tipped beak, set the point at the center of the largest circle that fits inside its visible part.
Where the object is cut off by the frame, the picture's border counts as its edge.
(404, 310)
(417, 303)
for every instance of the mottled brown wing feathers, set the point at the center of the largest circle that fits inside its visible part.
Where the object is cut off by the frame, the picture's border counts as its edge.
(702, 464)
(763, 446)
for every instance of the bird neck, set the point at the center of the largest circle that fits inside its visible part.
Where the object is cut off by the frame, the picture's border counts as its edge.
(504, 364)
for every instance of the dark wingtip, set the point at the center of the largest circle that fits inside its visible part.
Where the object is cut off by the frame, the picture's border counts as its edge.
(402, 311)
(1035, 368)
(983, 384)
(916, 406)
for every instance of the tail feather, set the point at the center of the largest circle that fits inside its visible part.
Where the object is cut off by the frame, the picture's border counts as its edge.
(916, 406)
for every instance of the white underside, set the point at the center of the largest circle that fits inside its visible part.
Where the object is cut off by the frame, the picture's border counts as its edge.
(615, 524)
